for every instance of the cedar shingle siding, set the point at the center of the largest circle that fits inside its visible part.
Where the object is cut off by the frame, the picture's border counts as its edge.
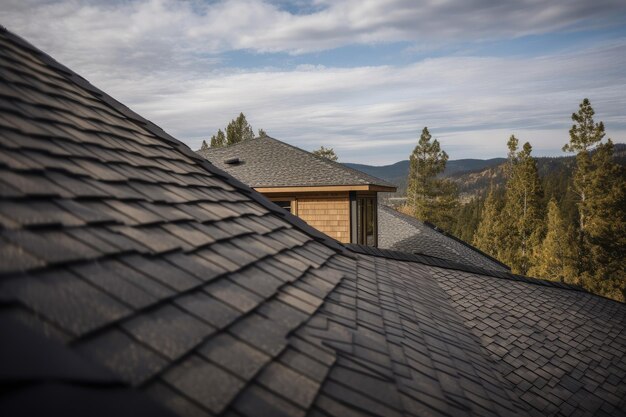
(329, 214)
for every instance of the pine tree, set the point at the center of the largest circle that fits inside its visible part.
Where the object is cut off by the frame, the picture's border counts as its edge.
(328, 153)
(238, 129)
(554, 257)
(584, 135)
(446, 204)
(262, 133)
(488, 236)
(606, 225)
(599, 189)
(431, 198)
(468, 216)
(218, 140)
(204, 145)
(512, 145)
(522, 209)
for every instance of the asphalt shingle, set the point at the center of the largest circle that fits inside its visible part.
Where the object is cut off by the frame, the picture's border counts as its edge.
(267, 162)
(400, 232)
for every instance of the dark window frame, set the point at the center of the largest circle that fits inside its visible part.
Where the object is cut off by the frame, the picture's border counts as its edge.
(283, 202)
(364, 219)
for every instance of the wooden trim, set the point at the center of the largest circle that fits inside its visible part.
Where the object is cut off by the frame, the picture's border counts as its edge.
(292, 199)
(376, 221)
(353, 235)
(367, 187)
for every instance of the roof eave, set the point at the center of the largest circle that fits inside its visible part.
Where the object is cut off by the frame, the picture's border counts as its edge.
(326, 188)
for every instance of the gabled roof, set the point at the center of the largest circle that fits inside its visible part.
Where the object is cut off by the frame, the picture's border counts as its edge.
(137, 279)
(265, 162)
(400, 232)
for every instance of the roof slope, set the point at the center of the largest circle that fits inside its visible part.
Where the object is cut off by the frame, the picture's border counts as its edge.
(152, 284)
(397, 231)
(561, 351)
(267, 162)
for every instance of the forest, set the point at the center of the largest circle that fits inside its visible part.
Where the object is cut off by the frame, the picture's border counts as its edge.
(567, 223)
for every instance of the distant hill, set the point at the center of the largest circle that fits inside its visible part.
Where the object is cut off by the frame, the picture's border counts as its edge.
(555, 168)
(385, 172)
(401, 168)
(474, 175)
(398, 172)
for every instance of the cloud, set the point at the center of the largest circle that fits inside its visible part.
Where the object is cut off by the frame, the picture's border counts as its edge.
(162, 57)
(374, 114)
(144, 32)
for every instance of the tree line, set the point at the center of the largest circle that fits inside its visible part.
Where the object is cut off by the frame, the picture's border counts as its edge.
(569, 226)
(237, 130)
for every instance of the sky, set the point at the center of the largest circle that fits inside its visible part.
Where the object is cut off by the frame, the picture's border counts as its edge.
(361, 76)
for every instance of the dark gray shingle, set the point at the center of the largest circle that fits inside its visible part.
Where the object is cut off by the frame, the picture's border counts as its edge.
(267, 162)
(400, 232)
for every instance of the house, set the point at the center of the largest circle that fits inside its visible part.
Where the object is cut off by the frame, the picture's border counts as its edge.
(337, 200)
(136, 278)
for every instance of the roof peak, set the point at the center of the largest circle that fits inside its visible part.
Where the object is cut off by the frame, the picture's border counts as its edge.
(286, 165)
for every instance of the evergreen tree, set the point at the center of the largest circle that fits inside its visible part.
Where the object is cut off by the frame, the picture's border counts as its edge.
(512, 145)
(204, 145)
(489, 233)
(554, 257)
(238, 129)
(328, 153)
(431, 198)
(606, 225)
(467, 218)
(522, 210)
(599, 190)
(262, 133)
(445, 204)
(584, 135)
(218, 140)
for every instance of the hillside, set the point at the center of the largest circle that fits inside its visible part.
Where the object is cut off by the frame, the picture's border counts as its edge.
(473, 176)
(401, 169)
(397, 173)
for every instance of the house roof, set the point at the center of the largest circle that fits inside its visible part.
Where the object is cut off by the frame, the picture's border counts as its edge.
(265, 162)
(400, 232)
(138, 279)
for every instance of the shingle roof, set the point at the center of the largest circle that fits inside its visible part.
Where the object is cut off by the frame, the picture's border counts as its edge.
(267, 162)
(397, 231)
(137, 279)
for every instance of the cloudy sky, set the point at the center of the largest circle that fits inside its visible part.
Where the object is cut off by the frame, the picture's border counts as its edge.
(362, 76)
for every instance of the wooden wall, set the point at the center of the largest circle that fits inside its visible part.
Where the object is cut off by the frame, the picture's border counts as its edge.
(327, 212)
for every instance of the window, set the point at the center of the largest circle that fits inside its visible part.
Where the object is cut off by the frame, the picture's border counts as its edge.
(286, 204)
(366, 221)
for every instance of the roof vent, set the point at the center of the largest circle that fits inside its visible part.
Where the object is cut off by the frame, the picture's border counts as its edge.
(232, 161)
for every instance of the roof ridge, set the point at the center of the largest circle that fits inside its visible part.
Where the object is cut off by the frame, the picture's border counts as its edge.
(178, 145)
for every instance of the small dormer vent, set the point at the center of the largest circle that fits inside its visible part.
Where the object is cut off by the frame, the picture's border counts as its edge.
(232, 161)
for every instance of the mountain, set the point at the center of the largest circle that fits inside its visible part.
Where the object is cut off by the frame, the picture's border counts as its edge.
(401, 169)
(394, 173)
(474, 175)
(398, 172)
(552, 169)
